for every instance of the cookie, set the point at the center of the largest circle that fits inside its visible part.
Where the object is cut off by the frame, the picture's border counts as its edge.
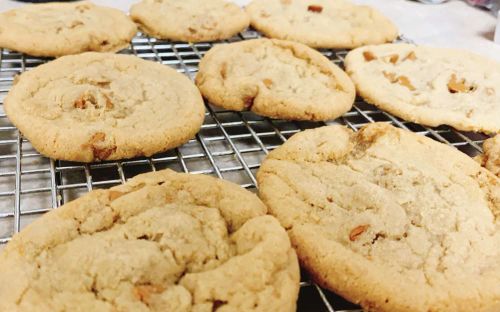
(430, 86)
(389, 219)
(101, 106)
(490, 159)
(56, 29)
(189, 20)
(275, 78)
(163, 241)
(335, 24)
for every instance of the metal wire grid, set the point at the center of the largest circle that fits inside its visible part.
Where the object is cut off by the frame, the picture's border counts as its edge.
(230, 145)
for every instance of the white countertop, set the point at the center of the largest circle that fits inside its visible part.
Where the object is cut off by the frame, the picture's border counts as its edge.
(452, 24)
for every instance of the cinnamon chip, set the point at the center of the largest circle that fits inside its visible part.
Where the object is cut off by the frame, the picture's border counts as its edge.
(144, 292)
(99, 151)
(391, 76)
(217, 304)
(394, 58)
(268, 82)
(402, 80)
(114, 195)
(102, 153)
(357, 231)
(80, 103)
(98, 137)
(411, 56)
(315, 8)
(248, 101)
(109, 104)
(369, 56)
(405, 82)
(455, 85)
(84, 101)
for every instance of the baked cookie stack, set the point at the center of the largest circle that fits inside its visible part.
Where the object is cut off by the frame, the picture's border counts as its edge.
(386, 218)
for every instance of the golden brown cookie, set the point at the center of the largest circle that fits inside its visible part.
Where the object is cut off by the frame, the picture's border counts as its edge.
(56, 29)
(101, 106)
(430, 86)
(388, 219)
(275, 78)
(163, 241)
(189, 20)
(335, 24)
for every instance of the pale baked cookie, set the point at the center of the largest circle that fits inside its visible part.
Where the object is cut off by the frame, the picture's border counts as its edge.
(56, 29)
(389, 219)
(321, 23)
(430, 86)
(490, 159)
(163, 241)
(100, 106)
(275, 78)
(189, 20)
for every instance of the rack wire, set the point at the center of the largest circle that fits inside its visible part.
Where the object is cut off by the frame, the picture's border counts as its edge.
(230, 145)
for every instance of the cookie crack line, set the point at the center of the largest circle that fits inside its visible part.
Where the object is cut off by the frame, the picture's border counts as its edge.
(376, 237)
(376, 183)
(311, 63)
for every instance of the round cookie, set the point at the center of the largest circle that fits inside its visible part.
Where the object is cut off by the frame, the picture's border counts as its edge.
(490, 159)
(275, 78)
(388, 219)
(430, 86)
(56, 29)
(100, 106)
(189, 20)
(334, 24)
(163, 241)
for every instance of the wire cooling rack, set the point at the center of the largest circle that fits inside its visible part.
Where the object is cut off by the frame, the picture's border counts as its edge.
(230, 145)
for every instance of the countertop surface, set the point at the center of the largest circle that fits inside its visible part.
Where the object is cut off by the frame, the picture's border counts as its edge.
(452, 24)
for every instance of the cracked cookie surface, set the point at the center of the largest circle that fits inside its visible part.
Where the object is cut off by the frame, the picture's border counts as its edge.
(389, 219)
(101, 106)
(335, 24)
(490, 159)
(163, 241)
(430, 86)
(56, 29)
(189, 20)
(275, 78)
